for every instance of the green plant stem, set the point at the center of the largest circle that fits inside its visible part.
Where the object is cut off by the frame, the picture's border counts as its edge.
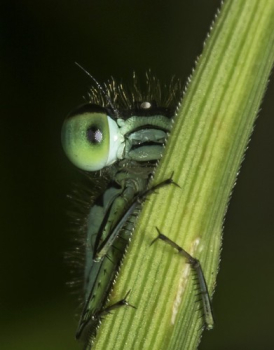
(205, 150)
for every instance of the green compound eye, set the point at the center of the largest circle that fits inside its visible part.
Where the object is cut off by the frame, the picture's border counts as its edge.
(90, 138)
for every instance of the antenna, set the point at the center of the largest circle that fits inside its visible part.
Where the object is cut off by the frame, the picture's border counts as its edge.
(100, 88)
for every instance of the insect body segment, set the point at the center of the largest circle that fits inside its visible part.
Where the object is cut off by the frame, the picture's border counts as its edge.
(124, 141)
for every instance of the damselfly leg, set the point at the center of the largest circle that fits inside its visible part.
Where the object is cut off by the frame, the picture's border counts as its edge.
(123, 302)
(196, 266)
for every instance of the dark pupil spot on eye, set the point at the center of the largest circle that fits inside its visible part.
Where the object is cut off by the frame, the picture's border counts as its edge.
(94, 135)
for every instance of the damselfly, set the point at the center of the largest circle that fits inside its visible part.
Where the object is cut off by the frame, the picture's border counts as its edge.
(119, 134)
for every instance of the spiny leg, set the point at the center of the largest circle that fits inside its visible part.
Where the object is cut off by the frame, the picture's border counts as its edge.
(195, 264)
(88, 338)
(86, 333)
(138, 199)
(164, 183)
(107, 310)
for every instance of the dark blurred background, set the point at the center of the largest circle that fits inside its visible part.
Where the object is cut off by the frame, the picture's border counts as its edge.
(40, 84)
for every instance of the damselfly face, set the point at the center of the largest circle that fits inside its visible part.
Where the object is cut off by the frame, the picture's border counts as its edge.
(119, 133)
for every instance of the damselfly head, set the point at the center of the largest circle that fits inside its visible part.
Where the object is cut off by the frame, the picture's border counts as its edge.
(93, 135)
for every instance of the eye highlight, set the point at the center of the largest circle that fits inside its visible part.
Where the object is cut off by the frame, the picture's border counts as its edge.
(90, 138)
